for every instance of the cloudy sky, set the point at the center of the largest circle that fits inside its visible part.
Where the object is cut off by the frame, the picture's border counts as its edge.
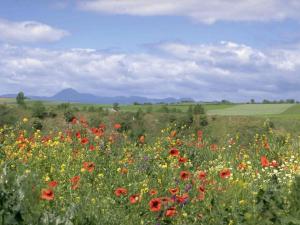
(206, 50)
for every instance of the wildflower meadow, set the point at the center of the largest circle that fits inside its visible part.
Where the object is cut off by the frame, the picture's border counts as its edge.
(97, 175)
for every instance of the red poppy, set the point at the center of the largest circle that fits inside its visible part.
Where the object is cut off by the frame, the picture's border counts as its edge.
(53, 184)
(78, 135)
(182, 198)
(155, 204)
(264, 161)
(267, 145)
(174, 152)
(171, 212)
(134, 198)
(142, 139)
(185, 175)
(89, 166)
(117, 126)
(165, 200)
(121, 191)
(202, 175)
(225, 173)
(84, 141)
(199, 134)
(173, 191)
(74, 120)
(153, 192)
(213, 147)
(75, 182)
(201, 196)
(124, 170)
(47, 194)
(173, 133)
(92, 148)
(274, 163)
(201, 188)
(102, 126)
(182, 160)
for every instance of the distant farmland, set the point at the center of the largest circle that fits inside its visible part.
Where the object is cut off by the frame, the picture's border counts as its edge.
(251, 109)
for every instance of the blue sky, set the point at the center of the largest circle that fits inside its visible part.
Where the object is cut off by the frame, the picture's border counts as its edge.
(205, 50)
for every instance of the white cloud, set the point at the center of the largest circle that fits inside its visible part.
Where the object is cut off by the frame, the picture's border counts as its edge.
(29, 31)
(205, 72)
(200, 10)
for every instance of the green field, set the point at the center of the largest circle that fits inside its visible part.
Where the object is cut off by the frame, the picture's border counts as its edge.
(252, 109)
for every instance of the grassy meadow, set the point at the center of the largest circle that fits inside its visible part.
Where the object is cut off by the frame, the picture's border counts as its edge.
(149, 164)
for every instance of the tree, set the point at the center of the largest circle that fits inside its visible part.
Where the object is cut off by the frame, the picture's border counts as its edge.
(116, 106)
(252, 101)
(21, 98)
(198, 109)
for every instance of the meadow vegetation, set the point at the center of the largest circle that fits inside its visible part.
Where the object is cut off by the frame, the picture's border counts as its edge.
(152, 164)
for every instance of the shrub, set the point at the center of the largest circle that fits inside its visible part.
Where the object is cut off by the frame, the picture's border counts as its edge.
(39, 110)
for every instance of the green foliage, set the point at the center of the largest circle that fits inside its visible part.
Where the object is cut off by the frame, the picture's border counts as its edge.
(116, 106)
(64, 106)
(39, 110)
(37, 125)
(294, 209)
(20, 99)
(7, 115)
(270, 204)
(69, 116)
(198, 109)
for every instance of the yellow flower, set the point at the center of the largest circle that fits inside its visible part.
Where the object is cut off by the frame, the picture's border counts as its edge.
(242, 202)
(47, 178)
(25, 120)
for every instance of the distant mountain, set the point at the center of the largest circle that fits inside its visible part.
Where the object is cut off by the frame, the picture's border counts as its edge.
(71, 95)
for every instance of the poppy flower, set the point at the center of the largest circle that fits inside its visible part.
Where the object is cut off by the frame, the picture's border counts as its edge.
(183, 198)
(142, 139)
(173, 191)
(185, 175)
(201, 188)
(74, 120)
(117, 126)
(155, 204)
(213, 147)
(182, 160)
(274, 163)
(165, 200)
(47, 194)
(267, 145)
(102, 126)
(53, 184)
(84, 141)
(264, 161)
(120, 191)
(199, 134)
(75, 182)
(201, 196)
(201, 175)
(153, 192)
(134, 198)
(174, 152)
(92, 148)
(173, 133)
(171, 212)
(124, 170)
(225, 173)
(78, 135)
(89, 166)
